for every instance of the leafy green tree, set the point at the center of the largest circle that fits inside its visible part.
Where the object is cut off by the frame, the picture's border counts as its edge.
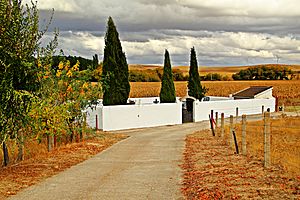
(167, 92)
(115, 73)
(19, 40)
(194, 85)
(19, 35)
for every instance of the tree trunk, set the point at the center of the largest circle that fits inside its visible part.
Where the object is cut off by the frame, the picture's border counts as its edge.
(71, 137)
(20, 146)
(70, 125)
(49, 142)
(55, 141)
(5, 154)
(80, 136)
(84, 126)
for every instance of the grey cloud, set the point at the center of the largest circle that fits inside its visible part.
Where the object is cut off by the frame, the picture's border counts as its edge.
(157, 2)
(213, 48)
(73, 21)
(147, 59)
(142, 15)
(220, 34)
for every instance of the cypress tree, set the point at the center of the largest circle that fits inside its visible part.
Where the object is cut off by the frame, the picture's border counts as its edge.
(194, 85)
(167, 92)
(115, 74)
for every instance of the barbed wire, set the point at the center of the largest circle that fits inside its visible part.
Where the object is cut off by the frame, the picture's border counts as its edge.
(272, 128)
(296, 127)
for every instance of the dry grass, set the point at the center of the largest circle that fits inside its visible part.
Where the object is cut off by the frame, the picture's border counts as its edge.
(40, 166)
(288, 92)
(33, 148)
(285, 145)
(213, 171)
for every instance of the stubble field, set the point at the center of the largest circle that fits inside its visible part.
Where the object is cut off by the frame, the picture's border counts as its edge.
(287, 92)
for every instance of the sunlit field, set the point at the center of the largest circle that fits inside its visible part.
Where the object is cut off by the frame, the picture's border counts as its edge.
(287, 92)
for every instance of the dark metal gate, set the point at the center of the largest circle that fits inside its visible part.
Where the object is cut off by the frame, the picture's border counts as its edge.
(187, 110)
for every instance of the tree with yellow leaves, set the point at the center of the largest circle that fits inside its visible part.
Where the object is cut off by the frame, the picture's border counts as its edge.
(59, 112)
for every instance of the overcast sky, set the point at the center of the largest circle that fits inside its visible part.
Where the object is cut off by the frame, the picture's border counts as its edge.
(223, 32)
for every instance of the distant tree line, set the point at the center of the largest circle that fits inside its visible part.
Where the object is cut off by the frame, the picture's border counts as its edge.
(154, 75)
(91, 70)
(264, 73)
(214, 77)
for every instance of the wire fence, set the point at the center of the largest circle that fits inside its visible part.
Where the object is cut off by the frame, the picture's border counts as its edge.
(274, 139)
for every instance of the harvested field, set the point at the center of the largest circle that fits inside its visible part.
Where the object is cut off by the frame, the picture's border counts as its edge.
(288, 92)
(204, 70)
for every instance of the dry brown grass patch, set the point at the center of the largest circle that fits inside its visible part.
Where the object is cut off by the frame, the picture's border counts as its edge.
(285, 145)
(213, 171)
(31, 171)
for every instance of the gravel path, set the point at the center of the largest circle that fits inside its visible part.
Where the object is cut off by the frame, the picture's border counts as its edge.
(144, 166)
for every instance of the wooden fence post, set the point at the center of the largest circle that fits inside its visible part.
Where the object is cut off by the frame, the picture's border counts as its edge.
(216, 119)
(212, 118)
(231, 132)
(236, 114)
(211, 125)
(267, 140)
(222, 124)
(244, 142)
(235, 143)
(96, 122)
(216, 127)
(276, 104)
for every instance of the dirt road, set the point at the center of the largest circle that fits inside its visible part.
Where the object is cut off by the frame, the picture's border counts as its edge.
(144, 166)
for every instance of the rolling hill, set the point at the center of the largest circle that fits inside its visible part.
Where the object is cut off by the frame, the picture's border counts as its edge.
(227, 70)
